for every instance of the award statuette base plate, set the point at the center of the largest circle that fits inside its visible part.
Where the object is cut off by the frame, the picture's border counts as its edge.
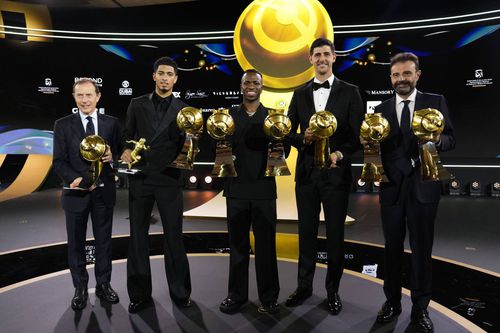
(276, 163)
(123, 168)
(373, 171)
(224, 165)
(430, 164)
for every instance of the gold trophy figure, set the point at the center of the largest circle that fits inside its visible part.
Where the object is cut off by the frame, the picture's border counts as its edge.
(189, 120)
(220, 125)
(427, 126)
(92, 149)
(323, 124)
(374, 129)
(277, 125)
(138, 147)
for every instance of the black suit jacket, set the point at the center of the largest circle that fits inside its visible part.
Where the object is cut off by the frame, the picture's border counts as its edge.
(69, 164)
(250, 146)
(162, 136)
(397, 161)
(346, 105)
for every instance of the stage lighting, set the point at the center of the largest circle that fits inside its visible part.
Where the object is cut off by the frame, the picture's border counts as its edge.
(207, 182)
(192, 182)
(475, 188)
(494, 189)
(375, 187)
(361, 186)
(454, 187)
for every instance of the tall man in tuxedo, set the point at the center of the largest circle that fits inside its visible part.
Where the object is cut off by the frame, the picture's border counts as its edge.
(407, 201)
(153, 117)
(251, 203)
(80, 198)
(330, 186)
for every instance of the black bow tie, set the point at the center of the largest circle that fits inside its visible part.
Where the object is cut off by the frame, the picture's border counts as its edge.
(325, 85)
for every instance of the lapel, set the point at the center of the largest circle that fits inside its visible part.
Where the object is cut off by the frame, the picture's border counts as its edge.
(392, 117)
(309, 100)
(167, 119)
(102, 126)
(150, 112)
(77, 127)
(331, 100)
(419, 101)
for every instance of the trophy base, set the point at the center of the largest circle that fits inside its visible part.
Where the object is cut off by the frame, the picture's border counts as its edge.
(275, 171)
(276, 163)
(430, 164)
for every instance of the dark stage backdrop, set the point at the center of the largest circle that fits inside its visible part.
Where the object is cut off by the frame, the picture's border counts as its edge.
(461, 63)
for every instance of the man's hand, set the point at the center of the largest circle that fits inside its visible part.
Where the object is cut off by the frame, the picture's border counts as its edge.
(309, 137)
(107, 157)
(363, 141)
(126, 156)
(335, 157)
(76, 182)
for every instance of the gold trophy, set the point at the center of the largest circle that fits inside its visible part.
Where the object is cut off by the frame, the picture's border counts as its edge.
(138, 147)
(220, 125)
(323, 124)
(189, 120)
(92, 149)
(374, 129)
(277, 125)
(427, 125)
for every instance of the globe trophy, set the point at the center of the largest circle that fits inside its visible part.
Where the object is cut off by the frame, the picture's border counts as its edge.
(427, 125)
(190, 121)
(220, 125)
(374, 129)
(92, 149)
(322, 124)
(277, 126)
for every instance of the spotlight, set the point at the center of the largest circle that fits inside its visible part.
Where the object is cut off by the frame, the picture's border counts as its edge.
(375, 187)
(192, 182)
(208, 179)
(207, 182)
(494, 189)
(361, 186)
(475, 188)
(454, 187)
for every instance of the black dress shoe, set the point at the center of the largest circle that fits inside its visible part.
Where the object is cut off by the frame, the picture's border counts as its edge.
(136, 306)
(420, 320)
(388, 312)
(334, 303)
(106, 293)
(298, 297)
(79, 300)
(269, 307)
(231, 306)
(183, 302)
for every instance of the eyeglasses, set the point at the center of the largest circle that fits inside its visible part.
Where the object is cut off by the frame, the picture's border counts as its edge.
(406, 75)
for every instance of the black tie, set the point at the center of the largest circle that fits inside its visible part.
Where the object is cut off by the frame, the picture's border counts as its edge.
(325, 84)
(405, 119)
(89, 130)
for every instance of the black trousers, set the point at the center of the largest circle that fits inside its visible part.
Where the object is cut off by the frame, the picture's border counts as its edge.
(76, 227)
(261, 216)
(310, 196)
(170, 205)
(418, 217)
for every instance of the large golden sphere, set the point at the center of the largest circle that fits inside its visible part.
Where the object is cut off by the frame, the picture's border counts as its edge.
(271, 32)
(190, 120)
(374, 128)
(427, 124)
(323, 124)
(277, 125)
(92, 148)
(220, 124)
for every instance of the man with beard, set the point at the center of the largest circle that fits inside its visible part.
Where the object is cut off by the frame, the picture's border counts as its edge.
(407, 201)
(328, 186)
(153, 117)
(251, 203)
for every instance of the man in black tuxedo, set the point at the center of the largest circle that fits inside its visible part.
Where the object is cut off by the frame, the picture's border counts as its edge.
(328, 186)
(80, 197)
(251, 202)
(153, 117)
(407, 201)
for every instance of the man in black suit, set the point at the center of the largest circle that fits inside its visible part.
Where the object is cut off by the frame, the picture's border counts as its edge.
(251, 202)
(407, 201)
(153, 117)
(81, 198)
(328, 186)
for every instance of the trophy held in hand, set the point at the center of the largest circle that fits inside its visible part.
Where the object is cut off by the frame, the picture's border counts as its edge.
(190, 121)
(323, 124)
(139, 146)
(277, 126)
(92, 149)
(220, 125)
(374, 129)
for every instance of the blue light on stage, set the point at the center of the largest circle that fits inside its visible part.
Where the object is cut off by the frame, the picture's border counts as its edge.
(26, 141)
(477, 33)
(118, 50)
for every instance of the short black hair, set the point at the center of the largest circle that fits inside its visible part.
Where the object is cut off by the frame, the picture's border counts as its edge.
(252, 71)
(165, 61)
(318, 42)
(85, 80)
(405, 56)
